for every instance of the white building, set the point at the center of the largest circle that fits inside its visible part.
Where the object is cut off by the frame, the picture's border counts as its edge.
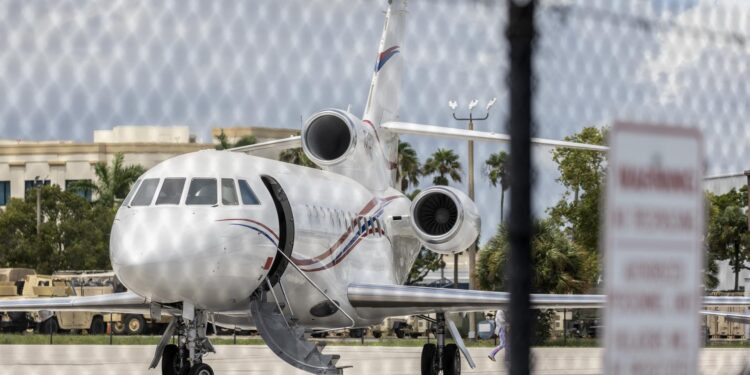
(65, 162)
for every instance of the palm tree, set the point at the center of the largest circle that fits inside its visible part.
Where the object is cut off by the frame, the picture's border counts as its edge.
(224, 144)
(496, 169)
(113, 182)
(408, 166)
(443, 162)
(296, 156)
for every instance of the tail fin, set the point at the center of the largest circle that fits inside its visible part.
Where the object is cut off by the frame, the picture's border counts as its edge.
(383, 100)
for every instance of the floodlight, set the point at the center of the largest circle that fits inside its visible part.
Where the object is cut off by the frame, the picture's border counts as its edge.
(473, 104)
(453, 104)
(491, 103)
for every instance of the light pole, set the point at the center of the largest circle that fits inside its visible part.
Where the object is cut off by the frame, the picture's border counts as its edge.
(38, 185)
(472, 249)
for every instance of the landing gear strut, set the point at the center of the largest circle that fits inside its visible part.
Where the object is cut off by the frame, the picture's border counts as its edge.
(186, 358)
(440, 357)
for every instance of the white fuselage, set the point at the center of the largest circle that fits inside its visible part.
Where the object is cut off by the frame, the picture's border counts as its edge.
(214, 256)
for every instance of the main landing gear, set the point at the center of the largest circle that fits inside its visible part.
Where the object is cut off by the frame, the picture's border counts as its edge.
(440, 357)
(186, 357)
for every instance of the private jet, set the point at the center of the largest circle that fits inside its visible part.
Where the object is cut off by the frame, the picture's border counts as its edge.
(241, 241)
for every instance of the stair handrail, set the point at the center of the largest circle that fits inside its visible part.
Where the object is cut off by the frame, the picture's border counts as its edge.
(334, 302)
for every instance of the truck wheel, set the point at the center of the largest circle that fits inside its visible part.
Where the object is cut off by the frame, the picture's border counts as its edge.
(400, 333)
(97, 326)
(377, 334)
(135, 324)
(49, 326)
(118, 328)
(414, 335)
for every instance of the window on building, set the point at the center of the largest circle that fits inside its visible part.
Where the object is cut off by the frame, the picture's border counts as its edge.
(75, 187)
(145, 194)
(4, 192)
(202, 191)
(248, 197)
(130, 195)
(30, 184)
(171, 191)
(229, 192)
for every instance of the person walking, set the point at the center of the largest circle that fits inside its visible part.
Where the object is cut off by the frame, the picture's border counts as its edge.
(500, 332)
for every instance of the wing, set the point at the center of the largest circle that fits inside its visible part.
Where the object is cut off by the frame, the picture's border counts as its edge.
(270, 149)
(409, 300)
(126, 302)
(445, 132)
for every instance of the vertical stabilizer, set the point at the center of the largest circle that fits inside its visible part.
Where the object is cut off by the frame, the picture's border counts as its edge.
(383, 100)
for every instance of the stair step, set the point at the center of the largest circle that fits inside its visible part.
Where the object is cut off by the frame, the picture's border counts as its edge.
(334, 360)
(287, 340)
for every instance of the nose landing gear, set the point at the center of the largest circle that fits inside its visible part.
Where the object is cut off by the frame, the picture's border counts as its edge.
(186, 358)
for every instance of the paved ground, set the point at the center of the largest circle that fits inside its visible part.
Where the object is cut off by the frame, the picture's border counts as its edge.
(82, 359)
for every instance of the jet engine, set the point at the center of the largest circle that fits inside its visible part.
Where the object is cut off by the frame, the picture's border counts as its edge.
(340, 142)
(445, 219)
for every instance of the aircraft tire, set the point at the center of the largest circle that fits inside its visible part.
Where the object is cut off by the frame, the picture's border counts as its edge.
(170, 362)
(201, 369)
(429, 359)
(451, 360)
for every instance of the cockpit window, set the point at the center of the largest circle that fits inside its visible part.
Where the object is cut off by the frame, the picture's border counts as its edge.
(126, 202)
(248, 197)
(146, 192)
(228, 192)
(202, 191)
(171, 191)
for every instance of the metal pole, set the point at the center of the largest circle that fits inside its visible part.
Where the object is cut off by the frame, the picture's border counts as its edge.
(520, 35)
(455, 271)
(110, 328)
(38, 208)
(565, 326)
(472, 248)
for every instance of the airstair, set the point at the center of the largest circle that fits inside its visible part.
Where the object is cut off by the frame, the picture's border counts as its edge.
(287, 339)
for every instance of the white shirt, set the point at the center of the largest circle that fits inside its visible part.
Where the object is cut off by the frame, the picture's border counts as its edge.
(499, 321)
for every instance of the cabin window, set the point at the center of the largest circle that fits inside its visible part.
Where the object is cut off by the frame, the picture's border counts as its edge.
(229, 192)
(146, 192)
(248, 197)
(202, 191)
(126, 202)
(171, 191)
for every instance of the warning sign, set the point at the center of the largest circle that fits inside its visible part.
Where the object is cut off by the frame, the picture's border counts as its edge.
(653, 257)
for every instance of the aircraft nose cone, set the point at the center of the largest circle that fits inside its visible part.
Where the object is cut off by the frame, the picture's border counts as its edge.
(178, 257)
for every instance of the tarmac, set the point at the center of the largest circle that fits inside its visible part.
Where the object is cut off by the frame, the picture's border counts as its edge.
(134, 359)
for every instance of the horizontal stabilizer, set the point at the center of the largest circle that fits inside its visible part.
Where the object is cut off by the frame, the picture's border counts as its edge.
(474, 135)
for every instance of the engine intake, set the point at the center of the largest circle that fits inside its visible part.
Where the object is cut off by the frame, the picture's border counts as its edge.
(445, 219)
(329, 136)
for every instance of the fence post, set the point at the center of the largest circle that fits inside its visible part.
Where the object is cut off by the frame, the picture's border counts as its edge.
(520, 36)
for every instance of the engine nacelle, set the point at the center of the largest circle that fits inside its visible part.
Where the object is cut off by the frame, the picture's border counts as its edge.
(340, 142)
(445, 219)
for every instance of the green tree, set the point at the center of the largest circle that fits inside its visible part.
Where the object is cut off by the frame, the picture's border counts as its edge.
(113, 181)
(582, 174)
(496, 169)
(409, 169)
(444, 163)
(727, 239)
(561, 266)
(296, 156)
(224, 144)
(426, 262)
(73, 235)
